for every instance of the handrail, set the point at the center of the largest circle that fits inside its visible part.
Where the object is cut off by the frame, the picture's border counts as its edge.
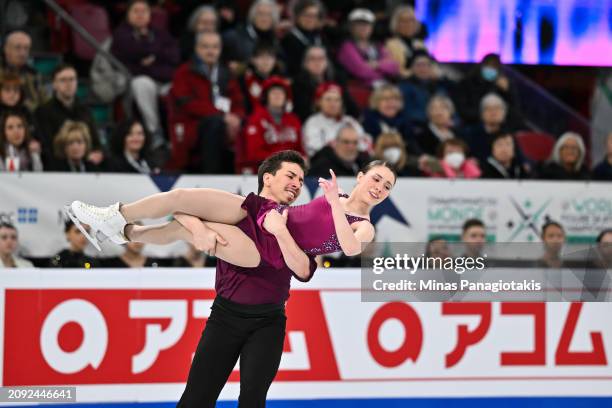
(76, 26)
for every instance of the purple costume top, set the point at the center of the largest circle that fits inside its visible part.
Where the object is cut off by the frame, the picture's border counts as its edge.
(311, 226)
(267, 283)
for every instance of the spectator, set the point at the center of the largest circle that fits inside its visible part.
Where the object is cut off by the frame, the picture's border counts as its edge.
(453, 162)
(321, 128)
(439, 253)
(493, 119)
(203, 20)
(342, 155)
(597, 280)
(309, 16)
(439, 128)
(271, 127)
(386, 115)
(71, 147)
(603, 171)
(151, 55)
(502, 164)
(604, 249)
(567, 161)
(262, 66)
(363, 59)
(16, 54)
(74, 256)
(486, 78)
(437, 248)
(227, 11)
(132, 257)
(474, 237)
(238, 44)
(391, 148)
(130, 146)
(64, 106)
(11, 96)
(18, 151)
(317, 69)
(9, 244)
(420, 87)
(208, 99)
(553, 237)
(407, 37)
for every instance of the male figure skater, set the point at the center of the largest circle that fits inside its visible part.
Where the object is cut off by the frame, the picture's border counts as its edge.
(248, 315)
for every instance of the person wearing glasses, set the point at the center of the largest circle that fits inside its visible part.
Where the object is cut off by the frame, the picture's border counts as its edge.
(342, 155)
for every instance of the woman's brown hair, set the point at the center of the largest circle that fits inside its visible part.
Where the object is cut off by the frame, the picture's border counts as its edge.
(26, 129)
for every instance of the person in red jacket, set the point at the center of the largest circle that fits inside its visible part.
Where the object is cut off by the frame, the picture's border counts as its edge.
(262, 66)
(270, 128)
(207, 101)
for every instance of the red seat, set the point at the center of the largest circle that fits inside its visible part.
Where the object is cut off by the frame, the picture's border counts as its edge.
(536, 146)
(360, 93)
(159, 18)
(95, 21)
(60, 32)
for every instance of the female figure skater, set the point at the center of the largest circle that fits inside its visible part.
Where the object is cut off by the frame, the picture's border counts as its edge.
(327, 224)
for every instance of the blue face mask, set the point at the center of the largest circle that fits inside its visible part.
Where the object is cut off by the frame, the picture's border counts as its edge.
(488, 73)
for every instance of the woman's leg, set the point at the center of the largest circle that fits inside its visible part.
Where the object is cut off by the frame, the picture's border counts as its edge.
(240, 249)
(161, 234)
(205, 203)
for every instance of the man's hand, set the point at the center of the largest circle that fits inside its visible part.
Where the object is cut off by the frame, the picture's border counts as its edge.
(232, 125)
(503, 83)
(276, 222)
(206, 240)
(148, 61)
(34, 146)
(423, 162)
(96, 157)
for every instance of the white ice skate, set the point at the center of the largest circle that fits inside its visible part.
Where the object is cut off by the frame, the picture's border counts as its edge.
(94, 239)
(105, 222)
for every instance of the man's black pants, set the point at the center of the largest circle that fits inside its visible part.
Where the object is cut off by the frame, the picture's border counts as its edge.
(255, 333)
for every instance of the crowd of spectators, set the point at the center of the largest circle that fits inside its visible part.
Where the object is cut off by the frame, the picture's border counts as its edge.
(553, 251)
(214, 95)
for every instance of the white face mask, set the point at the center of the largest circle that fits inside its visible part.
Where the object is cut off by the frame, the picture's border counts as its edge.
(392, 154)
(455, 159)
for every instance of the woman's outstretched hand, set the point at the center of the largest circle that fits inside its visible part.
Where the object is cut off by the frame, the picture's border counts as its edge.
(330, 188)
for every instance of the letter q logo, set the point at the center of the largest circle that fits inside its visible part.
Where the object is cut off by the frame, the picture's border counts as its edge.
(95, 336)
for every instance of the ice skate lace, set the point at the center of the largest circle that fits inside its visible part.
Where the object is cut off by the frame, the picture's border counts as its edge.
(101, 213)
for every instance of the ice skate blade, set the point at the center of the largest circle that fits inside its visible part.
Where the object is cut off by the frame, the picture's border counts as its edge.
(94, 240)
